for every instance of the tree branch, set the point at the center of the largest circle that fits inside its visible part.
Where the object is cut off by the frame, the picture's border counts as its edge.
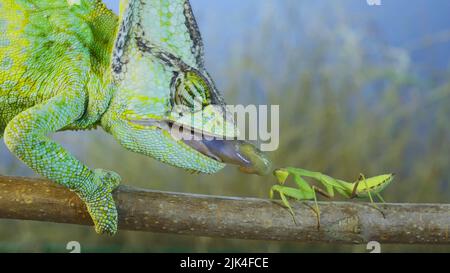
(229, 217)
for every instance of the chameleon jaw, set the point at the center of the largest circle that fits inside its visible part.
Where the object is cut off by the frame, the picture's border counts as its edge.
(246, 156)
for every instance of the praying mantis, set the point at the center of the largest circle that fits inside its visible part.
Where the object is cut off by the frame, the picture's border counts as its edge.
(361, 188)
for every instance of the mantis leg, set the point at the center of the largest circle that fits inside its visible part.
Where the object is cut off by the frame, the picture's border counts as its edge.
(305, 192)
(380, 197)
(317, 210)
(290, 192)
(361, 176)
(328, 182)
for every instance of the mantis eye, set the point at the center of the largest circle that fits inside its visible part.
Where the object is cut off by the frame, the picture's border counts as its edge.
(192, 91)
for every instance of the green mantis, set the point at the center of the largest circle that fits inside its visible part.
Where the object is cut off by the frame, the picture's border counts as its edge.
(362, 188)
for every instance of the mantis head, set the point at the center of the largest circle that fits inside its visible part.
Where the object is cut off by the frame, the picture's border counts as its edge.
(281, 175)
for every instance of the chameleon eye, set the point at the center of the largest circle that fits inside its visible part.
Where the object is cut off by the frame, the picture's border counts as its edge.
(192, 91)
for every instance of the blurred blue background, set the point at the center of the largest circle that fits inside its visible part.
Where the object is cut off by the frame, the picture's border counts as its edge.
(361, 89)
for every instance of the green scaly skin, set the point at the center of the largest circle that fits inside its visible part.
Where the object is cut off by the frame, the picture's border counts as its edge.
(74, 64)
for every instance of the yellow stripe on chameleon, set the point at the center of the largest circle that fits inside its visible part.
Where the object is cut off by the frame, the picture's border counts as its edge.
(12, 54)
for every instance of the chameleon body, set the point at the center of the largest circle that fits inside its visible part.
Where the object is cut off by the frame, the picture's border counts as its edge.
(75, 65)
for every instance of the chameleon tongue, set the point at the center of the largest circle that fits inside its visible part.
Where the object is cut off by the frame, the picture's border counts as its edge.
(243, 154)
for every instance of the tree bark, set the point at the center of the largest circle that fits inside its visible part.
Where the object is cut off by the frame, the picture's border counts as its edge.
(231, 217)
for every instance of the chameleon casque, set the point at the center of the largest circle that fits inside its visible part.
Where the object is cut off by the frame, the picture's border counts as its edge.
(75, 65)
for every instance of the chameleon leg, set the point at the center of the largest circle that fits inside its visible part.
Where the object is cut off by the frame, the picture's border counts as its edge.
(26, 137)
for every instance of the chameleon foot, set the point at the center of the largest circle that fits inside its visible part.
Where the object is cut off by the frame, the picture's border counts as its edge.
(109, 179)
(104, 214)
(100, 202)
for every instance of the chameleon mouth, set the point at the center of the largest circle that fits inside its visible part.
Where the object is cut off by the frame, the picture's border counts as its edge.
(246, 156)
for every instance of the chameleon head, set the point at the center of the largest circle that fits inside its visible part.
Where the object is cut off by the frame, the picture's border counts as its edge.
(186, 126)
(165, 104)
